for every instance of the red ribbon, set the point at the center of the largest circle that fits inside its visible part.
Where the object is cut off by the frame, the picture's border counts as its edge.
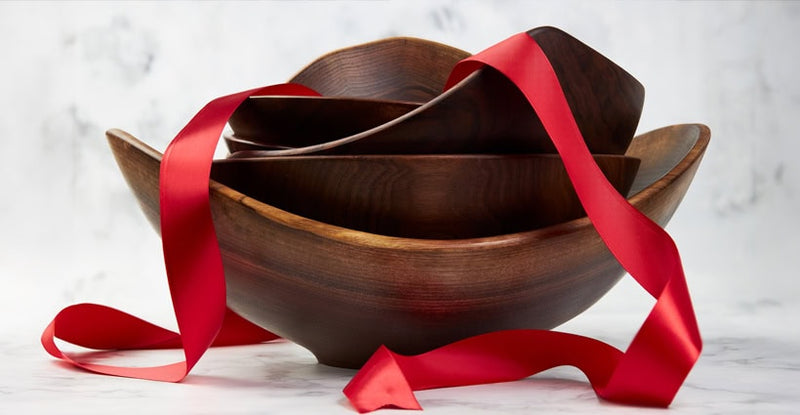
(663, 351)
(648, 373)
(192, 259)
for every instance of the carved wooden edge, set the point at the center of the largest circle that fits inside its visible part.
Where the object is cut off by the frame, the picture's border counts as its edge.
(122, 143)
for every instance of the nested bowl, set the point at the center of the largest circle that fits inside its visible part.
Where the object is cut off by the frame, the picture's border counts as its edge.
(421, 196)
(290, 123)
(483, 113)
(343, 292)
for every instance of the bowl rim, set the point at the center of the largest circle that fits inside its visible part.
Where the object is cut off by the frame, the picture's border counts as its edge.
(387, 40)
(414, 157)
(313, 148)
(377, 241)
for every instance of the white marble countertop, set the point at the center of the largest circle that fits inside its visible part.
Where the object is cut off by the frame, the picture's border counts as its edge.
(70, 231)
(750, 364)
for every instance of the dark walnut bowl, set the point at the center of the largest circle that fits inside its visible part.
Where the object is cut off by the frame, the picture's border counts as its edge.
(372, 104)
(454, 196)
(342, 292)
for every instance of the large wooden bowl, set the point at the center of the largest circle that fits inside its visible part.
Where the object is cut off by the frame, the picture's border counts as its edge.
(342, 292)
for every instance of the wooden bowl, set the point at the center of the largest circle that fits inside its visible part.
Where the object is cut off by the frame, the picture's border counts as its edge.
(484, 113)
(421, 196)
(398, 68)
(285, 123)
(342, 292)
(376, 81)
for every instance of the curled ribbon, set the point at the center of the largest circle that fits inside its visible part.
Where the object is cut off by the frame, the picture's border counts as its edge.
(649, 372)
(661, 354)
(193, 263)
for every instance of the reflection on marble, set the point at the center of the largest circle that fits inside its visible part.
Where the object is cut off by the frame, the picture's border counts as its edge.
(71, 232)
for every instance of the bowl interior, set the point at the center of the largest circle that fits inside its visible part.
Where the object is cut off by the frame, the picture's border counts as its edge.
(280, 122)
(399, 68)
(423, 196)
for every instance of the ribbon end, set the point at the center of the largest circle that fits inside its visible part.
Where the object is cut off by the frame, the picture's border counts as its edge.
(381, 384)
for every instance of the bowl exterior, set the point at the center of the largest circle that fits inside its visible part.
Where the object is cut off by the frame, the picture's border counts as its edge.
(342, 300)
(342, 293)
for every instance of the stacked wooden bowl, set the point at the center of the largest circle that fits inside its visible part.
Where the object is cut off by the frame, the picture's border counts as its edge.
(388, 212)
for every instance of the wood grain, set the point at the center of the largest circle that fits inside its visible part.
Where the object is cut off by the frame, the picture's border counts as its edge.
(606, 101)
(425, 196)
(342, 292)
(264, 123)
(484, 113)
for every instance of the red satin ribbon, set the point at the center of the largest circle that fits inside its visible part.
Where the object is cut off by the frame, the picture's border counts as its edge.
(192, 259)
(648, 373)
(662, 352)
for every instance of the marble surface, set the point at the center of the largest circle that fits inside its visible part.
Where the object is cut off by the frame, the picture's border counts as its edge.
(71, 232)
(750, 365)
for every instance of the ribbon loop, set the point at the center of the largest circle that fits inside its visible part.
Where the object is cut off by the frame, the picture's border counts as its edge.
(194, 263)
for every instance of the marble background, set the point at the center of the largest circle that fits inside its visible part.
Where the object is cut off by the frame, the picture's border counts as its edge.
(71, 232)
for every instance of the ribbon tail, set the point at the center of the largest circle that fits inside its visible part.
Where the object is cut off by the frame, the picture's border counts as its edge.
(389, 379)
